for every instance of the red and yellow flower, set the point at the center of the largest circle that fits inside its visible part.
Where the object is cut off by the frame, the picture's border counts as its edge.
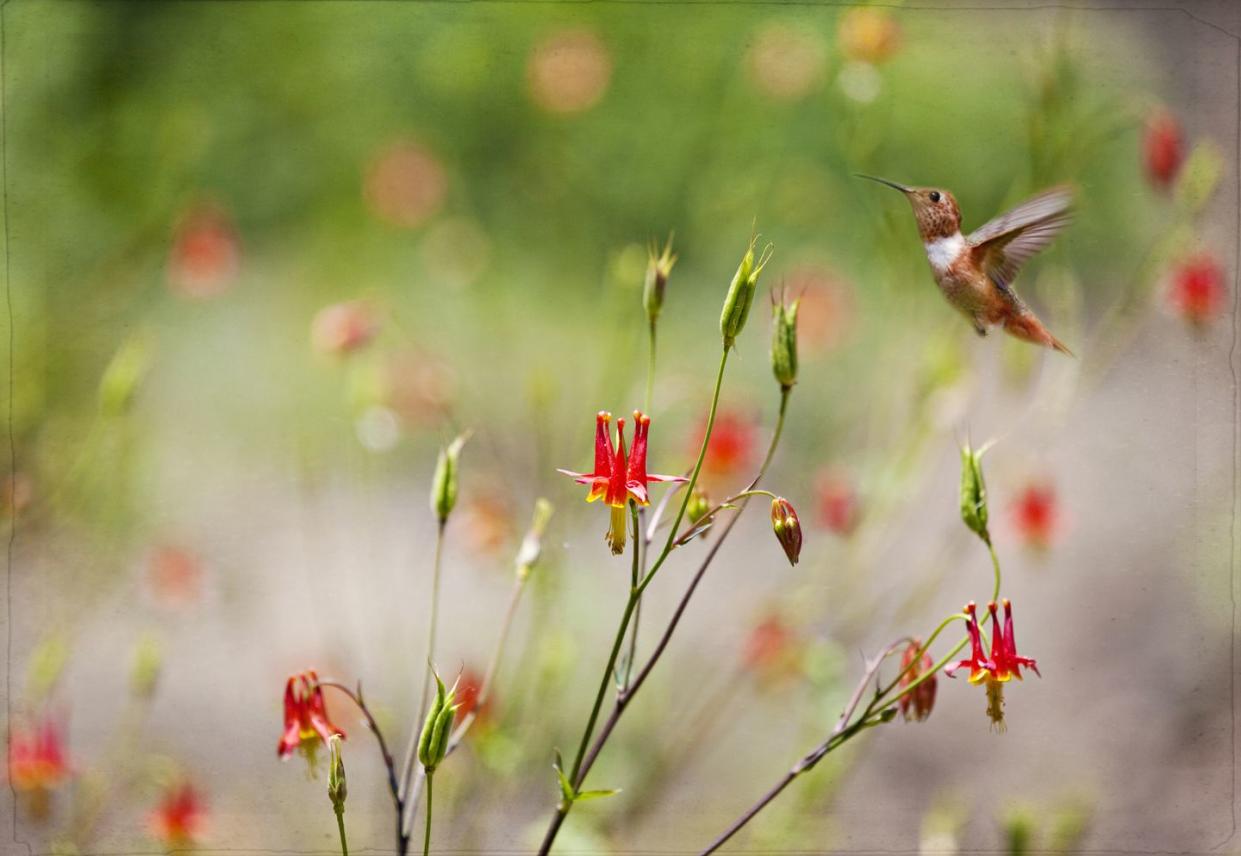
(617, 477)
(37, 761)
(1003, 663)
(177, 821)
(306, 722)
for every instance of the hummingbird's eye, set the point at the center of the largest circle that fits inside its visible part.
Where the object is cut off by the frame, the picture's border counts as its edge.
(934, 195)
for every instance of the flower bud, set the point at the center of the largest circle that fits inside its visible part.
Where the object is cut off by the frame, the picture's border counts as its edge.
(918, 703)
(741, 293)
(144, 674)
(699, 505)
(337, 790)
(974, 492)
(784, 342)
(532, 544)
(444, 486)
(657, 270)
(787, 527)
(437, 727)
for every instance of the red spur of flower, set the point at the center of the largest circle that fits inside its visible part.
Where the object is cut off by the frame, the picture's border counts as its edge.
(619, 477)
(1008, 663)
(306, 721)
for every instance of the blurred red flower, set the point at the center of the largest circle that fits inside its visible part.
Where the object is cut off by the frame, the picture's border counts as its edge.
(825, 316)
(920, 701)
(772, 649)
(731, 447)
(343, 328)
(1197, 291)
(787, 62)
(405, 184)
(1036, 514)
(205, 255)
(177, 821)
(1163, 150)
(489, 523)
(838, 501)
(38, 762)
(568, 71)
(175, 576)
(305, 717)
(469, 690)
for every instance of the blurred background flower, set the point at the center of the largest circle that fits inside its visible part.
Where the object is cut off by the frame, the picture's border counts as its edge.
(569, 71)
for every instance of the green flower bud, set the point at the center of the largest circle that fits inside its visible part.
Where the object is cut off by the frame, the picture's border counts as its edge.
(974, 492)
(337, 790)
(741, 293)
(657, 270)
(437, 727)
(699, 505)
(444, 486)
(784, 342)
(532, 544)
(144, 674)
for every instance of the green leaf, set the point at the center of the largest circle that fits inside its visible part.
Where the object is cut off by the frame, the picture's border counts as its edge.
(594, 795)
(566, 787)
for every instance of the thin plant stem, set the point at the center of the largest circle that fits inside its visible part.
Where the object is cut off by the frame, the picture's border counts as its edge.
(640, 546)
(411, 750)
(340, 825)
(635, 594)
(426, 835)
(650, 367)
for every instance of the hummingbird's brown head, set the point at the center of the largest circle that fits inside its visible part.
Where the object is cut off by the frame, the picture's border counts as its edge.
(935, 210)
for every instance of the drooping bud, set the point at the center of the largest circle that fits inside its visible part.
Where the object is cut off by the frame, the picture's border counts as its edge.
(784, 342)
(658, 267)
(741, 293)
(787, 527)
(532, 544)
(699, 505)
(337, 789)
(974, 492)
(919, 702)
(444, 486)
(437, 727)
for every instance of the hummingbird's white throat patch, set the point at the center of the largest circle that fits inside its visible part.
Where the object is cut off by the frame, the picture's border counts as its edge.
(942, 252)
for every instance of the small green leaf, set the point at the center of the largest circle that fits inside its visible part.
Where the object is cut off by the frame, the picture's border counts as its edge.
(594, 795)
(566, 787)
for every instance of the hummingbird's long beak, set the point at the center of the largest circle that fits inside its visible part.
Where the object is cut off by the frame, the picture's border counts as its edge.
(902, 188)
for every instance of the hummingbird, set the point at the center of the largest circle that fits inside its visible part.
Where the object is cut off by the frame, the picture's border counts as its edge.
(976, 271)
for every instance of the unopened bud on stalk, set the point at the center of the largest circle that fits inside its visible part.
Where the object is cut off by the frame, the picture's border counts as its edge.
(699, 505)
(787, 527)
(337, 790)
(444, 486)
(917, 703)
(784, 342)
(658, 267)
(532, 544)
(437, 727)
(974, 492)
(741, 293)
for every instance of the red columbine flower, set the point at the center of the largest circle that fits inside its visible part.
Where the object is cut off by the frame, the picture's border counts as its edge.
(918, 703)
(1036, 514)
(618, 478)
(37, 760)
(178, 819)
(1163, 151)
(1197, 291)
(305, 717)
(1004, 664)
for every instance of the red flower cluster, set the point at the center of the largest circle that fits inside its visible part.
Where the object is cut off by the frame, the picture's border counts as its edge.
(1197, 291)
(37, 759)
(618, 478)
(1163, 150)
(305, 717)
(178, 819)
(1003, 663)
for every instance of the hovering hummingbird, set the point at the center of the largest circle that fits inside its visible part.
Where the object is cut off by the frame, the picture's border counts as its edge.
(976, 272)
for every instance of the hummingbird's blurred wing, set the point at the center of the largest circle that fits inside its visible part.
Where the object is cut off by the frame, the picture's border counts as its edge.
(1004, 244)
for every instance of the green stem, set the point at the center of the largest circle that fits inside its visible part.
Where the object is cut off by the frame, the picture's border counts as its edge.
(340, 825)
(411, 751)
(635, 574)
(426, 835)
(650, 369)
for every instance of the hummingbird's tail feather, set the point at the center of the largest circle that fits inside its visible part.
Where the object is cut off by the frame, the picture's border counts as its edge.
(1026, 326)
